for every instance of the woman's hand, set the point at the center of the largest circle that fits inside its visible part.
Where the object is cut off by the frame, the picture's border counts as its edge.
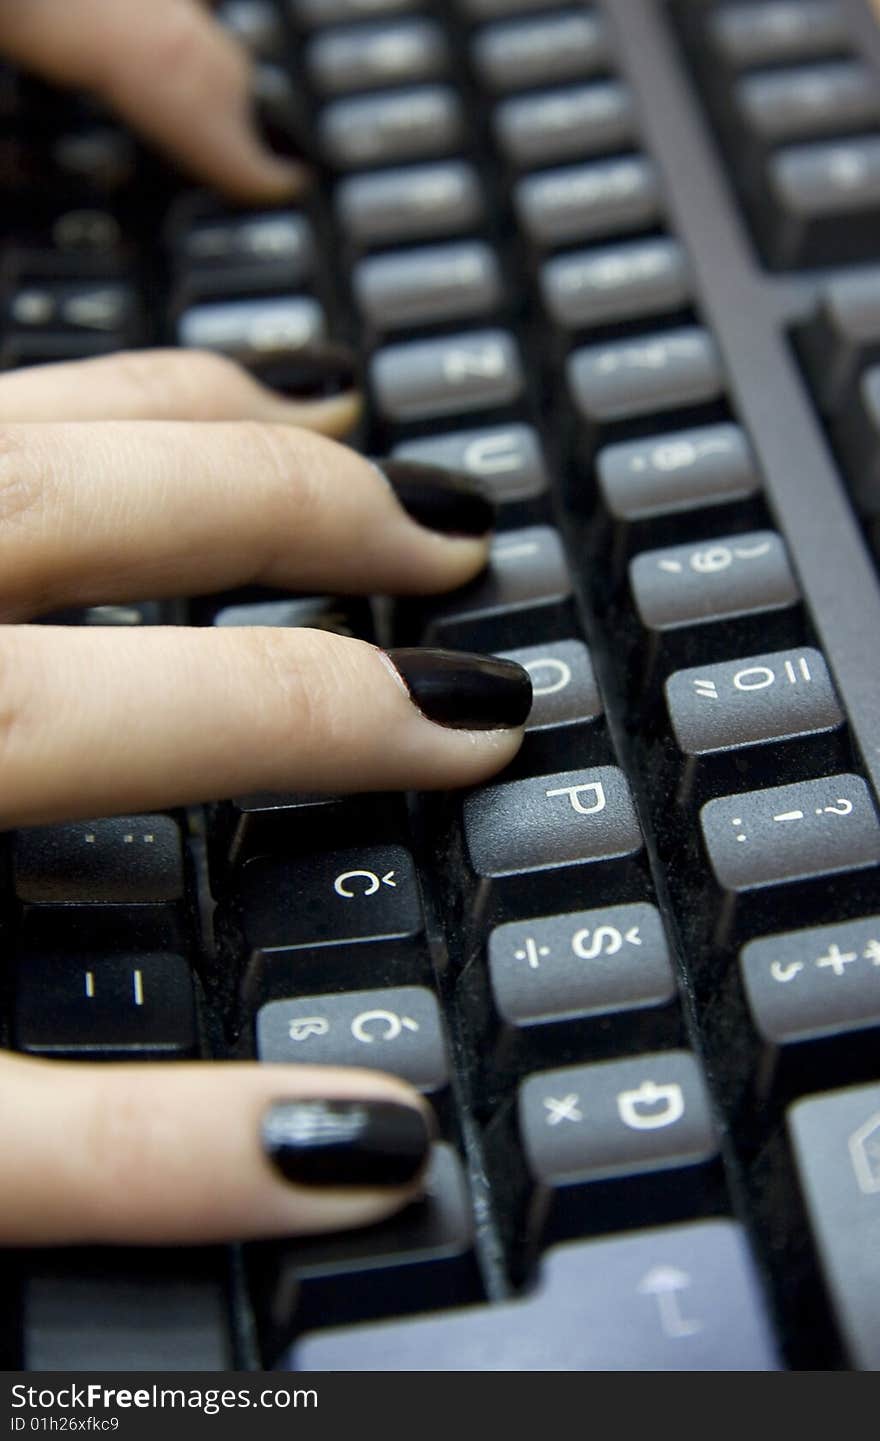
(136, 500)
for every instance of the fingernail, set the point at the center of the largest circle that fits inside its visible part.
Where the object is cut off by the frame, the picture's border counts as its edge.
(346, 1143)
(465, 691)
(444, 500)
(311, 372)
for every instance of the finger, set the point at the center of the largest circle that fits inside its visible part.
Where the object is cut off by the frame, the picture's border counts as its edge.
(173, 1153)
(100, 721)
(169, 69)
(163, 385)
(116, 510)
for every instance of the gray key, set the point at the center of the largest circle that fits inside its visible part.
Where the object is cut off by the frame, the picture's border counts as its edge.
(515, 54)
(811, 101)
(564, 689)
(587, 963)
(627, 378)
(313, 14)
(698, 584)
(395, 125)
(409, 203)
(396, 1030)
(251, 330)
(616, 283)
(746, 702)
(367, 57)
(776, 32)
(499, 9)
(678, 1298)
(791, 833)
(458, 281)
(506, 459)
(812, 983)
(829, 179)
(616, 1118)
(857, 434)
(709, 465)
(452, 375)
(550, 821)
(580, 202)
(836, 1141)
(844, 335)
(527, 577)
(565, 123)
(283, 240)
(256, 24)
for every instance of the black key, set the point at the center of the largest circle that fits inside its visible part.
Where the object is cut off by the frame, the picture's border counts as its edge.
(810, 102)
(541, 50)
(367, 57)
(665, 474)
(689, 585)
(507, 460)
(253, 331)
(387, 128)
(627, 379)
(243, 255)
(266, 823)
(340, 615)
(857, 433)
(791, 833)
(423, 1256)
(525, 593)
(457, 281)
(836, 1141)
(586, 963)
(826, 198)
(314, 14)
(125, 860)
(397, 1030)
(80, 310)
(566, 704)
(452, 375)
(475, 10)
(105, 1007)
(778, 32)
(678, 1298)
(623, 282)
(760, 698)
(605, 198)
(410, 203)
(843, 337)
(565, 123)
(526, 839)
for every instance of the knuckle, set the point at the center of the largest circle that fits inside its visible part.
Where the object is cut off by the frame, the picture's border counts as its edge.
(301, 682)
(194, 383)
(14, 712)
(23, 483)
(292, 493)
(130, 1149)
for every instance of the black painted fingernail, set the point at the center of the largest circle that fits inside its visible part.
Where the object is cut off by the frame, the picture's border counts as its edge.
(444, 500)
(346, 1143)
(311, 372)
(465, 691)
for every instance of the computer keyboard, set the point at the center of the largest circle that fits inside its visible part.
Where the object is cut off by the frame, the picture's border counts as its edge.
(614, 260)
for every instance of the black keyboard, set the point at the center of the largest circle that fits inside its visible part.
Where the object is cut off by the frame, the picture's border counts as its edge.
(621, 262)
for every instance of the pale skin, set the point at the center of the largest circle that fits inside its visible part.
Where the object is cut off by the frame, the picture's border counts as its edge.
(119, 479)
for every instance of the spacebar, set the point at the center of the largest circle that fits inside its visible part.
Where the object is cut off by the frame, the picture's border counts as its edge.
(682, 1298)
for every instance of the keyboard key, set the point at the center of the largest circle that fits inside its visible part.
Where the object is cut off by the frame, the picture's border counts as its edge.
(625, 379)
(815, 983)
(81, 310)
(682, 1298)
(565, 123)
(252, 331)
(105, 1007)
(367, 57)
(857, 433)
(314, 14)
(390, 1030)
(506, 459)
(397, 125)
(256, 24)
(827, 201)
(582, 202)
(836, 1141)
(622, 282)
(760, 698)
(425, 379)
(252, 255)
(540, 50)
(791, 833)
(459, 281)
(695, 585)
(411, 203)
(664, 474)
(809, 102)
(524, 593)
(843, 336)
(564, 688)
(778, 32)
(127, 860)
(586, 963)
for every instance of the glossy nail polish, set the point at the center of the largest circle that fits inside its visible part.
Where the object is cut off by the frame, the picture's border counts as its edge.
(346, 1143)
(439, 499)
(311, 372)
(465, 691)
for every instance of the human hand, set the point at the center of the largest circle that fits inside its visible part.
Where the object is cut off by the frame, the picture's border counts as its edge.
(170, 70)
(109, 493)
